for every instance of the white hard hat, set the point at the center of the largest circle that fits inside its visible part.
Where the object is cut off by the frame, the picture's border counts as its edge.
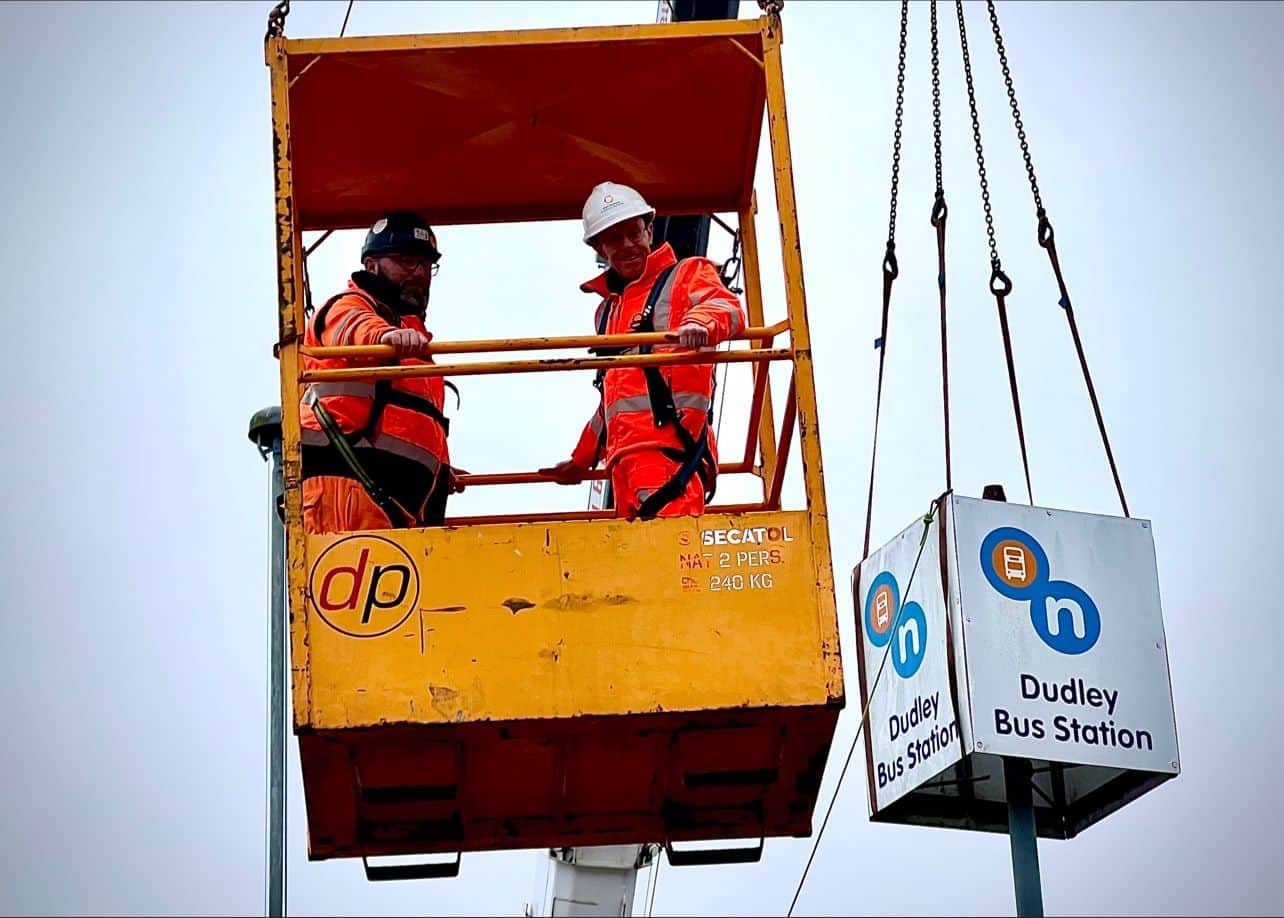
(610, 203)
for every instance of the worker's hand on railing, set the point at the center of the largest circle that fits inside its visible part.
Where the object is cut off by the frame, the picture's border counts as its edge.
(454, 481)
(406, 342)
(693, 335)
(565, 472)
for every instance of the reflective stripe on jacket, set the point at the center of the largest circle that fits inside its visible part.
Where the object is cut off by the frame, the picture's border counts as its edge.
(406, 426)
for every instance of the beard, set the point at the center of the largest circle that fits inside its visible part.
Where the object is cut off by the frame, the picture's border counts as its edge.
(416, 299)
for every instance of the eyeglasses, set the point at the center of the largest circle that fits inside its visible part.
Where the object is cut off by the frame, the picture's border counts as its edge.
(412, 262)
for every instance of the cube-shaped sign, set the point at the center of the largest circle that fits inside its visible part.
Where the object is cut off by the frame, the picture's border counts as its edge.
(993, 630)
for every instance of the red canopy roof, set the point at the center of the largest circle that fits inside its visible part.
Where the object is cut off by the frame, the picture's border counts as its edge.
(520, 125)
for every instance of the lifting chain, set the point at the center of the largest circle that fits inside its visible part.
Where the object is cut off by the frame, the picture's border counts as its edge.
(1016, 117)
(276, 20)
(936, 111)
(939, 213)
(996, 267)
(1000, 285)
(771, 7)
(730, 270)
(890, 270)
(889, 264)
(1046, 241)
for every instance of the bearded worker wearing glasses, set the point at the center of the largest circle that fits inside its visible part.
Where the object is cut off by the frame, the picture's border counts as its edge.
(375, 452)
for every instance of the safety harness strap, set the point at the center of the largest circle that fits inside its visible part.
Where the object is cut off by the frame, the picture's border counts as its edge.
(386, 395)
(697, 461)
(695, 457)
(398, 516)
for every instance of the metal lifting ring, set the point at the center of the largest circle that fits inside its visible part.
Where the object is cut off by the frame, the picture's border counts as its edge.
(771, 7)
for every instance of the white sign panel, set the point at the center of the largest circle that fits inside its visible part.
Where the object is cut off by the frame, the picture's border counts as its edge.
(911, 733)
(1063, 636)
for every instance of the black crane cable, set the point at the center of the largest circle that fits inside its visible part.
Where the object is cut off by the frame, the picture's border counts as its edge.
(1044, 236)
(890, 268)
(939, 213)
(1000, 285)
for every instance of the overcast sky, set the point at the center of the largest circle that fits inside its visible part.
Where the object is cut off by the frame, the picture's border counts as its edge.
(136, 238)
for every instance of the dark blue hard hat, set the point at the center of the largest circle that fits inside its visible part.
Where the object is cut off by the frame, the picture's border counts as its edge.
(400, 232)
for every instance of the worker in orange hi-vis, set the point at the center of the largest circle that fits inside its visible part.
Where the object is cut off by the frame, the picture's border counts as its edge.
(652, 426)
(374, 452)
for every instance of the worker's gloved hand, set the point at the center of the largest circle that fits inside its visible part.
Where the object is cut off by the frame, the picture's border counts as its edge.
(454, 485)
(406, 342)
(565, 472)
(693, 335)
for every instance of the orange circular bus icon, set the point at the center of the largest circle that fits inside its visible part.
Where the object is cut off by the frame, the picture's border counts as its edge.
(364, 586)
(882, 609)
(1014, 563)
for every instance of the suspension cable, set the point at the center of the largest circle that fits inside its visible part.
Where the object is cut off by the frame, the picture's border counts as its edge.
(1045, 235)
(345, 18)
(869, 700)
(655, 881)
(1000, 285)
(890, 268)
(939, 213)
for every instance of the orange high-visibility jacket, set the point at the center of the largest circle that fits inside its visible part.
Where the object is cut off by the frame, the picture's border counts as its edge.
(408, 434)
(623, 422)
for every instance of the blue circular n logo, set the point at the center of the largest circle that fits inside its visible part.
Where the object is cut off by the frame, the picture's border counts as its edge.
(1063, 615)
(909, 643)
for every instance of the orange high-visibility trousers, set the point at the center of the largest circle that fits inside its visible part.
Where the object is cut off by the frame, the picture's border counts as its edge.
(637, 475)
(339, 505)
(334, 504)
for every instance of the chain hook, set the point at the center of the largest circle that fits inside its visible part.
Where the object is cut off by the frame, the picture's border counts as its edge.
(939, 210)
(891, 270)
(276, 20)
(1000, 285)
(730, 270)
(1045, 228)
(771, 7)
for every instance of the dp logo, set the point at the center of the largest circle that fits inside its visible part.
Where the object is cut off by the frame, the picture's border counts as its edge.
(1063, 615)
(364, 586)
(906, 631)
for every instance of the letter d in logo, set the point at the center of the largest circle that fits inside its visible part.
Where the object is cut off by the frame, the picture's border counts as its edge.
(364, 586)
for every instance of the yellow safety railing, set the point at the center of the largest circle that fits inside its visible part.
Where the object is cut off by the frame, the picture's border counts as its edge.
(758, 355)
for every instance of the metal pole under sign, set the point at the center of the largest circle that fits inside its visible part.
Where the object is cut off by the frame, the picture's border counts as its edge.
(265, 432)
(1023, 837)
